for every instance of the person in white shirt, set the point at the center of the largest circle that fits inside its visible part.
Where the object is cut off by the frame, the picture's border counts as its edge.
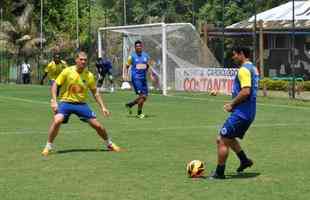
(25, 69)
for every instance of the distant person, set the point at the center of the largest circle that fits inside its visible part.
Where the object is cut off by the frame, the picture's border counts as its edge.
(104, 68)
(26, 72)
(139, 62)
(76, 81)
(243, 110)
(53, 69)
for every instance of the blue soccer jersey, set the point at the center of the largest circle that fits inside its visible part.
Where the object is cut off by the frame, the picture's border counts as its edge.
(247, 76)
(139, 65)
(103, 65)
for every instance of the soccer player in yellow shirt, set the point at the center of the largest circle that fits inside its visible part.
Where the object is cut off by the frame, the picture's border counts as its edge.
(75, 82)
(53, 69)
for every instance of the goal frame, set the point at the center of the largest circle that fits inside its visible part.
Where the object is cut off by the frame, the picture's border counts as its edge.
(163, 43)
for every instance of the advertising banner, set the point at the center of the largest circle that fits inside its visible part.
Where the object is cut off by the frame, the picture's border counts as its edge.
(205, 79)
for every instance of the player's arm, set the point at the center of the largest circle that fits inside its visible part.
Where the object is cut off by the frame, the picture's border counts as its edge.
(98, 67)
(244, 76)
(45, 74)
(54, 104)
(58, 82)
(150, 70)
(126, 69)
(97, 96)
(42, 79)
(100, 101)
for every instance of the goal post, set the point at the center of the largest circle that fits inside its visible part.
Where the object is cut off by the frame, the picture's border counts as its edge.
(170, 46)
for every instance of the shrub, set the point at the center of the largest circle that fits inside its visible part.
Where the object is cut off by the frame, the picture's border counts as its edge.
(282, 84)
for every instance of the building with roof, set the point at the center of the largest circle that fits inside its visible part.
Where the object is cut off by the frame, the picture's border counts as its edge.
(275, 32)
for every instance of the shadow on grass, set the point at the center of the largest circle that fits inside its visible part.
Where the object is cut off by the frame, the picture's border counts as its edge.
(243, 175)
(80, 150)
(146, 116)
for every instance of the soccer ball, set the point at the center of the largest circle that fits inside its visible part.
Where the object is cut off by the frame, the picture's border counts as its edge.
(214, 93)
(125, 85)
(195, 169)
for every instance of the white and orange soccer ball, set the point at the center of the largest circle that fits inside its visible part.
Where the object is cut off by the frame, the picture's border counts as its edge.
(195, 169)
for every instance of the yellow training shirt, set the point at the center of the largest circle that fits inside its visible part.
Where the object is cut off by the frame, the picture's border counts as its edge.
(244, 76)
(53, 69)
(74, 86)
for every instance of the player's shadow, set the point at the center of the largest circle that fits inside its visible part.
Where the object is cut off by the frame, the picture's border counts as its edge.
(243, 175)
(146, 116)
(80, 150)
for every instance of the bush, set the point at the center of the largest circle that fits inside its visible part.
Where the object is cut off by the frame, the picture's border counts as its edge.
(306, 86)
(282, 85)
(273, 84)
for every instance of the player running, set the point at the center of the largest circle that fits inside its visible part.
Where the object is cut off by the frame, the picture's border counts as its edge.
(139, 62)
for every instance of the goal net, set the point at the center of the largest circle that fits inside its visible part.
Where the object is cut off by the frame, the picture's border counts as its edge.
(170, 47)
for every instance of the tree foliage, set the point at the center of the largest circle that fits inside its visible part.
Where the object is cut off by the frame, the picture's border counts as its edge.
(60, 15)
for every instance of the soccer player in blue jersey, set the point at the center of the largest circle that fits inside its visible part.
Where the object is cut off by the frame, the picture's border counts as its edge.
(139, 62)
(104, 68)
(243, 110)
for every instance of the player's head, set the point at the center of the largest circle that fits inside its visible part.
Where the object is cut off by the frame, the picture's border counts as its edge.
(138, 46)
(240, 54)
(81, 59)
(56, 58)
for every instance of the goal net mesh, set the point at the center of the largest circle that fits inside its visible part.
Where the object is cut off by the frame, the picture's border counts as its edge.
(184, 49)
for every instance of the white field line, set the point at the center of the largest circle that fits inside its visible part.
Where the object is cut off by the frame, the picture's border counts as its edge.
(182, 97)
(31, 101)
(89, 130)
(23, 100)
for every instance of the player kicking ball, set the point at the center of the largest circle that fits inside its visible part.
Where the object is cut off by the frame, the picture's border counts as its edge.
(243, 110)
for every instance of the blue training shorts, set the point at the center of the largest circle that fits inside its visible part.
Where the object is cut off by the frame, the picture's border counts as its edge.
(82, 110)
(235, 126)
(140, 86)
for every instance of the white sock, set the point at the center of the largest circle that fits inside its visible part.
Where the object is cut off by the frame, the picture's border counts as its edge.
(49, 145)
(108, 142)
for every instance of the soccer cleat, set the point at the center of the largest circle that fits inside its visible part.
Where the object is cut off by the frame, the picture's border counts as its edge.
(128, 109)
(245, 165)
(141, 116)
(114, 147)
(215, 175)
(46, 151)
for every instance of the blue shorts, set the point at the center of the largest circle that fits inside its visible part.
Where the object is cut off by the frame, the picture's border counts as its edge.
(140, 86)
(235, 126)
(82, 110)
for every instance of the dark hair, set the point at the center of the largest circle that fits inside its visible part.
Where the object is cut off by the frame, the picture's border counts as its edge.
(138, 42)
(245, 50)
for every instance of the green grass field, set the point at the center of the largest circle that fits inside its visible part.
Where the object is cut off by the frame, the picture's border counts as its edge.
(179, 129)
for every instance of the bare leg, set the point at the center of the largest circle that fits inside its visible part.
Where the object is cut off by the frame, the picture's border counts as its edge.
(235, 146)
(54, 127)
(222, 150)
(223, 145)
(101, 131)
(141, 101)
